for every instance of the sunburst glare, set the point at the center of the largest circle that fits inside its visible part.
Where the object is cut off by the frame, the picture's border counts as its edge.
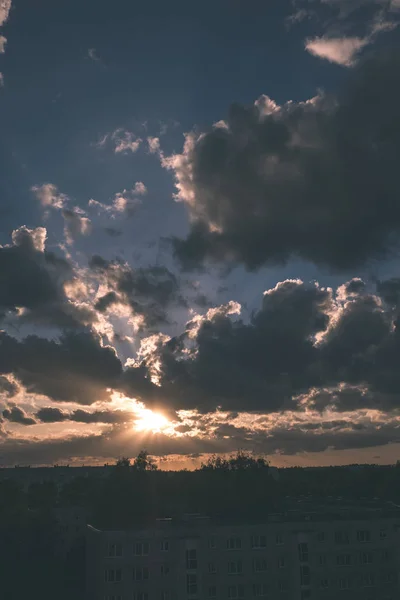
(151, 421)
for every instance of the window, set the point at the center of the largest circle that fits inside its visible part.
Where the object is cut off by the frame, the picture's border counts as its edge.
(281, 562)
(260, 590)
(343, 560)
(385, 555)
(342, 537)
(141, 549)
(279, 539)
(164, 546)
(191, 584)
(363, 536)
(236, 591)
(368, 580)
(389, 578)
(344, 583)
(258, 541)
(383, 534)
(322, 560)
(303, 552)
(259, 565)
(366, 558)
(113, 575)
(140, 596)
(212, 568)
(305, 575)
(321, 536)
(164, 569)
(212, 591)
(114, 550)
(212, 543)
(235, 567)
(234, 543)
(140, 573)
(282, 585)
(324, 583)
(191, 559)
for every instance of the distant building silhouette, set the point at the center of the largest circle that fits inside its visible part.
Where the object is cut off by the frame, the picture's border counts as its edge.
(312, 551)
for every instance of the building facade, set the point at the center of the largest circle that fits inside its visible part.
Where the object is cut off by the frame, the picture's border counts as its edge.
(297, 555)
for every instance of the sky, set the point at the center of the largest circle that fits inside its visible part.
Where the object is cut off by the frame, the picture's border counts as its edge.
(199, 231)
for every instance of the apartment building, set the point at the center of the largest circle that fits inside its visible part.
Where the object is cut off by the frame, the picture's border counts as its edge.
(321, 553)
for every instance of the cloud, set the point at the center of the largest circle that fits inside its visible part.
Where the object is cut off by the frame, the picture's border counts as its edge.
(104, 446)
(30, 239)
(342, 51)
(122, 141)
(55, 415)
(7, 387)
(314, 180)
(33, 282)
(92, 54)
(14, 414)
(148, 291)
(337, 44)
(306, 346)
(49, 196)
(285, 435)
(5, 7)
(222, 361)
(76, 368)
(125, 202)
(3, 42)
(154, 144)
(76, 223)
(50, 414)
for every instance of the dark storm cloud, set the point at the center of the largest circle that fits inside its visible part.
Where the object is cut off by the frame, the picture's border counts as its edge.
(50, 414)
(17, 415)
(389, 291)
(55, 415)
(305, 346)
(315, 180)
(147, 291)
(289, 439)
(33, 279)
(351, 398)
(247, 366)
(74, 369)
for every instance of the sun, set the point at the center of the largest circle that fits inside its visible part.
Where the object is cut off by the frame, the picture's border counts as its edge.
(151, 421)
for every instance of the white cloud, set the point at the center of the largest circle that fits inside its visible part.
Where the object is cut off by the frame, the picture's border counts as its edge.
(36, 237)
(342, 51)
(125, 201)
(335, 45)
(92, 54)
(3, 42)
(49, 195)
(5, 7)
(76, 223)
(154, 144)
(125, 141)
(139, 188)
